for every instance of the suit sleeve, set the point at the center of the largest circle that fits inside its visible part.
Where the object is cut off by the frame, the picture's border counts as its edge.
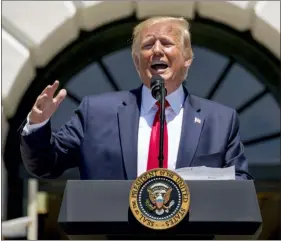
(235, 151)
(46, 154)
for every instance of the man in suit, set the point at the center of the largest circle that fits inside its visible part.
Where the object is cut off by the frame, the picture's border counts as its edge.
(114, 135)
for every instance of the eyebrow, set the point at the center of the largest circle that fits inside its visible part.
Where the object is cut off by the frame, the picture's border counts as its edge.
(149, 37)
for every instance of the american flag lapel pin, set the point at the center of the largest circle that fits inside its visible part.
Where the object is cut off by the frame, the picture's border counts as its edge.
(197, 120)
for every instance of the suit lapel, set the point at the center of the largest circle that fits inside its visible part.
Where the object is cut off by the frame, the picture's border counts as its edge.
(192, 125)
(128, 120)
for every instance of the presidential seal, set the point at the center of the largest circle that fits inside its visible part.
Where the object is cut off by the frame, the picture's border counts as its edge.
(159, 199)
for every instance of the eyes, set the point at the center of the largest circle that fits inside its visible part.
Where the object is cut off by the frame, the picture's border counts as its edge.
(151, 43)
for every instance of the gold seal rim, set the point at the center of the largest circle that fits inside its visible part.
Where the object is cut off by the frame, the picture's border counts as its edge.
(146, 176)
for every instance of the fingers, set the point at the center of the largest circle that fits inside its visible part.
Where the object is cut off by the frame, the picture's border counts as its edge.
(54, 88)
(60, 97)
(42, 98)
(51, 89)
(39, 102)
(38, 111)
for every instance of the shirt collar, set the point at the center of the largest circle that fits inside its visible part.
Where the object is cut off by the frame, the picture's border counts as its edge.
(175, 99)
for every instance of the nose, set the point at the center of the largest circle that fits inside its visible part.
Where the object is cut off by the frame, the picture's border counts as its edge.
(157, 48)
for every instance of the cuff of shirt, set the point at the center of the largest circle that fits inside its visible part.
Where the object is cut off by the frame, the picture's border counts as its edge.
(29, 128)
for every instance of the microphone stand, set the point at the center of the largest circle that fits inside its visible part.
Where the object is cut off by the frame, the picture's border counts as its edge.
(162, 122)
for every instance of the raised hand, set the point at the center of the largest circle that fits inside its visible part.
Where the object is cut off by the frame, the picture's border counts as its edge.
(46, 104)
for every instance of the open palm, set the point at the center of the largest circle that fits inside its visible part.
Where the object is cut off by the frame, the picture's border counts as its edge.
(46, 104)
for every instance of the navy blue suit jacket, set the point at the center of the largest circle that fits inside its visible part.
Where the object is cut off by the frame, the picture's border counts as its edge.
(101, 139)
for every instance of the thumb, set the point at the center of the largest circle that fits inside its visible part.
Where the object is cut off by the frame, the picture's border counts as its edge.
(60, 97)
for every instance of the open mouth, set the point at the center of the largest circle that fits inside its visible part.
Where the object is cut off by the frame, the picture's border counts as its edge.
(159, 65)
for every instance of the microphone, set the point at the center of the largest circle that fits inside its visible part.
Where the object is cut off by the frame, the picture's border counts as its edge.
(159, 92)
(157, 82)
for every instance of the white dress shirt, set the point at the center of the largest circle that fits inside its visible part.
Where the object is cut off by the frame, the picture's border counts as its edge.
(173, 114)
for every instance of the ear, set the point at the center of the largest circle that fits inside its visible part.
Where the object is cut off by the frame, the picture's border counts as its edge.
(187, 63)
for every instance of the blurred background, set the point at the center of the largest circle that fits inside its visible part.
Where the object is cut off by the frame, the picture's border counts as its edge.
(86, 45)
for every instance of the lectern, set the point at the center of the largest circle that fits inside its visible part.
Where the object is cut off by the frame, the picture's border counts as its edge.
(216, 208)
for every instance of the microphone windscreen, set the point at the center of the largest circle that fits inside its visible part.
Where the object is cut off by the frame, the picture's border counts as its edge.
(156, 82)
(156, 79)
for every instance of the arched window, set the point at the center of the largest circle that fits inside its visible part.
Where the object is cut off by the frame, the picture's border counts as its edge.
(229, 67)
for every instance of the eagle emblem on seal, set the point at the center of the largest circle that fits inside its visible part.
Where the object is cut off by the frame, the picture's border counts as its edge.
(159, 198)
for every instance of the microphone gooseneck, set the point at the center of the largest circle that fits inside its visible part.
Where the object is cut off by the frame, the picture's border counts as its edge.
(159, 92)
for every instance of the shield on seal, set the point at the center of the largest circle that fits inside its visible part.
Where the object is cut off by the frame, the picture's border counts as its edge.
(159, 202)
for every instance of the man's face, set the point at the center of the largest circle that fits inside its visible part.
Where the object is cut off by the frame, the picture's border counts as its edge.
(161, 52)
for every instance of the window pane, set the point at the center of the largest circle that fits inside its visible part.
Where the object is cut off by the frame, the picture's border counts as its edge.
(204, 71)
(121, 65)
(63, 113)
(267, 152)
(91, 80)
(238, 87)
(262, 118)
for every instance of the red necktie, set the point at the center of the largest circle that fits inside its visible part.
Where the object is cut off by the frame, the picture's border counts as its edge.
(153, 151)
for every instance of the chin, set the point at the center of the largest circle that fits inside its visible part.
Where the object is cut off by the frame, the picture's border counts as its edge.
(150, 74)
(166, 76)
